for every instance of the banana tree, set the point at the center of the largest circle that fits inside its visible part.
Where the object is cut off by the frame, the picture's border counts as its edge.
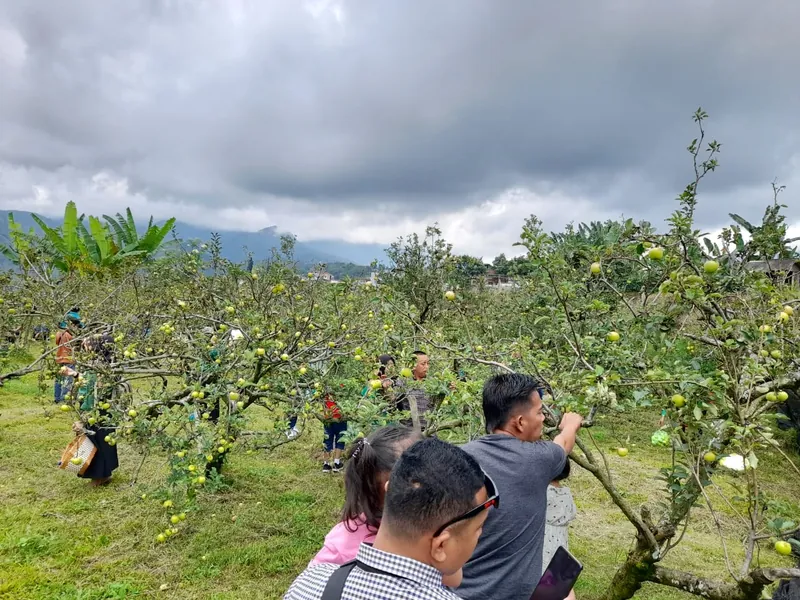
(73, 247)
(127, 237)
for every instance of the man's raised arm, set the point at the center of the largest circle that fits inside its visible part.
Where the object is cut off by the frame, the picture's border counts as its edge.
(569, 426)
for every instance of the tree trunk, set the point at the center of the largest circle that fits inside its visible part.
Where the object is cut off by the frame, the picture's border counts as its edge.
(636, 569)
(749, 588)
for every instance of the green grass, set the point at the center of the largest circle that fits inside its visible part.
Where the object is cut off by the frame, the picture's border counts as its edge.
(60, 539)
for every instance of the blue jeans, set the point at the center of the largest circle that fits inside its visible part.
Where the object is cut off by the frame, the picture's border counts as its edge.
(63, 385)
(292, 421)
(334, 431)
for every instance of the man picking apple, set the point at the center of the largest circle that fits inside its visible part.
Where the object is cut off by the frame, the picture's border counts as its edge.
(508, 560)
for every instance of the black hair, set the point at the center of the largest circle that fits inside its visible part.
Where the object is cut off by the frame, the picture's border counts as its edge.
(102, 346)
(385, 359)
(504, 393)
(565, 473)
(363, 498)
(418, 353)
(432, 483)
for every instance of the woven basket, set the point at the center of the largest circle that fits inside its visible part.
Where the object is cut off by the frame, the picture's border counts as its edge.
(80, 447)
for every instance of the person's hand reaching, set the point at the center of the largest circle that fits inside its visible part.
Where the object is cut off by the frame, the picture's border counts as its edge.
(570, 421)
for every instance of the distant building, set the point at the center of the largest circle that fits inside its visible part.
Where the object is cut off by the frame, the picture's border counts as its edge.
(785, 271)
(501, 282)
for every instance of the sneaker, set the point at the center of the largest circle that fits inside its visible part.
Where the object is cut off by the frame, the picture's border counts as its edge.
(292, 433)
(337, 466)
(326, 468)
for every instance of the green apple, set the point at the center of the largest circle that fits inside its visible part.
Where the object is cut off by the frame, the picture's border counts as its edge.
(783, 317)
(782, 396)
(107, 439)
(596, 268)
(375, 384)
(206, 416)
(192, 468)
(783, 548)
(167, 504)
(161, 538)
(776, 354)
(302, 371)
(174, 519)
(64, 407)
(284, 357)
(76, 460)
(678, 400)
(623, 452)
(358, 357)
(201, 480)
(195, 394)
(132, 413)
(234, 396)
(260, 352)
(180, 453)
(450, 295)
(709, 457)
(656, 253)
(771, 397)
(182, 516)
(612, 336)
(711, 267)
(331, 344)
(221, 449)
(240, 405)
(91, 420)
(765, 328)
(406, 372)
(788, 310)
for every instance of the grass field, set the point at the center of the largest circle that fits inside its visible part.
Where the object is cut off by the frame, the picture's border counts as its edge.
(60, 539)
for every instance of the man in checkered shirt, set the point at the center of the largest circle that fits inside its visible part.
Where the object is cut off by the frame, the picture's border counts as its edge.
(436, 502)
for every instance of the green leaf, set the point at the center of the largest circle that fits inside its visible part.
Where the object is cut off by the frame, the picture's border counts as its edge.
(743, 222)
(100, 237)
(751, 460)
(70, 228)
(52, 235)
(698, 413)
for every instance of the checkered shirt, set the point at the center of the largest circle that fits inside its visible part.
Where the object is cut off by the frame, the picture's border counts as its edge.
(413, 580)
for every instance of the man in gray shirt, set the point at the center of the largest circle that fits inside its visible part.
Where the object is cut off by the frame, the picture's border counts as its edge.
(507, 562)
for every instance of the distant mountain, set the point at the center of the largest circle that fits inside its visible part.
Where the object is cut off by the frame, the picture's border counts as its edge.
(237, 244)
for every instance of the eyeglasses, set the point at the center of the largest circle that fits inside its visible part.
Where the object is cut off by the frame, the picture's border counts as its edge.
(493, 500)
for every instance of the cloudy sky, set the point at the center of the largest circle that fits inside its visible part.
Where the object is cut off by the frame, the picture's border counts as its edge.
(366, 119)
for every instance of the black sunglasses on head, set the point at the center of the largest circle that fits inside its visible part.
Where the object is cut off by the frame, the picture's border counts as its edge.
(493, 500)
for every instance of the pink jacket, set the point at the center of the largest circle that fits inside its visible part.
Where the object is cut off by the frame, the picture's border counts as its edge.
(341, 545)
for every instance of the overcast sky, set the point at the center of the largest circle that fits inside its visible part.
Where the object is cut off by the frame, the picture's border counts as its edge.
(366, 119)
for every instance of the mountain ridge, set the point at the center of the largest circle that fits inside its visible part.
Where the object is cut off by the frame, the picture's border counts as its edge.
(237, 244)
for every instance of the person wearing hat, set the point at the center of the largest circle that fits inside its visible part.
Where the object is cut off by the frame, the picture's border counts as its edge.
(64, 356)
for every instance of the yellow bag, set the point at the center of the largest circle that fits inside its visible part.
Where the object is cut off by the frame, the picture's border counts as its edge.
(82, 450)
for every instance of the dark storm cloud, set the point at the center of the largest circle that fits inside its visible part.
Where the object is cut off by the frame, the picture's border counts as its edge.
(435, 103)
